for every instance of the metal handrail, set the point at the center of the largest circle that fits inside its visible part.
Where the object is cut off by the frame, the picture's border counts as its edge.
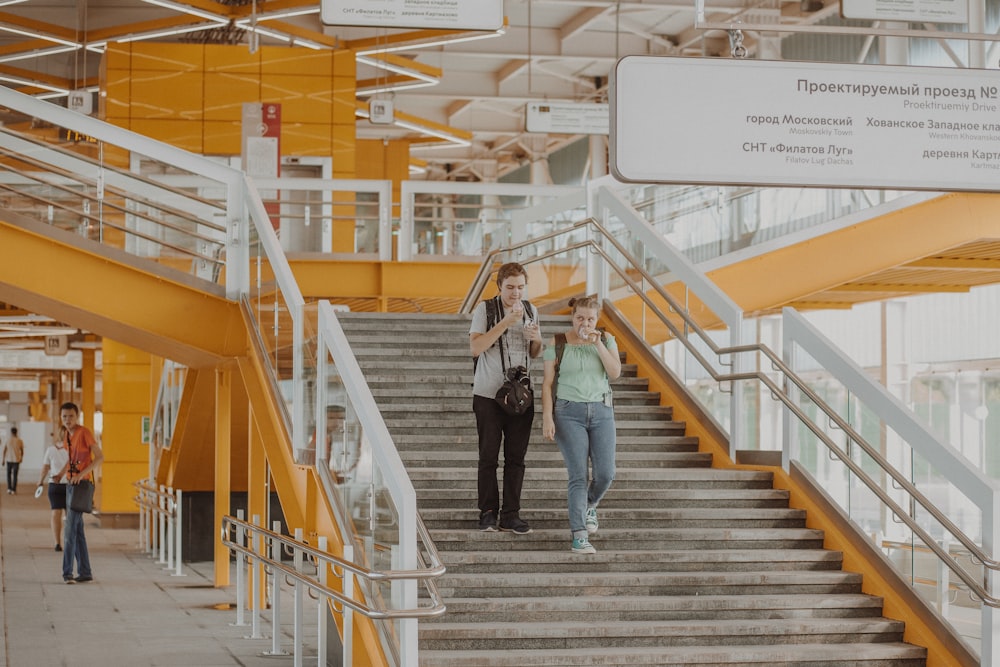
(979, 590)
(143, 501)
(436, 607)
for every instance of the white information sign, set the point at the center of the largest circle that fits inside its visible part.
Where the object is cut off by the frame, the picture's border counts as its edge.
(567, 118)
(71, 361)
(441, 14)
(752, 122)
(19, 385)
(913, 11)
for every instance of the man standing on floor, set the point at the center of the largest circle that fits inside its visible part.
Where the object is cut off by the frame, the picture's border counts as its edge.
(84, 456)
(11, 454)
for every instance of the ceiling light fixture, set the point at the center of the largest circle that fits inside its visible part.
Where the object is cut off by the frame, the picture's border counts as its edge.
(267, 32)
(455, 137)
(391, 88)
(167, 33)
(34, 84)
(188, 9)
(437, 42)
(286, 13)
(38, 53)
(37, 35)
(440, 134)
(385, 64)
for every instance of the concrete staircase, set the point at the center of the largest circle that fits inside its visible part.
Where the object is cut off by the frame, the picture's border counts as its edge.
(695, 565)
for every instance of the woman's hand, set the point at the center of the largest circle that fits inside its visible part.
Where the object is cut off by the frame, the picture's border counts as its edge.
(548, 427)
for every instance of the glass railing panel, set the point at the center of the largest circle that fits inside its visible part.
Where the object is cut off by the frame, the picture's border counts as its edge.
(90, 189)
(474, 219)
(663, 319)
(364, 489)
(706, 222)
(317, 215)
(916, 479)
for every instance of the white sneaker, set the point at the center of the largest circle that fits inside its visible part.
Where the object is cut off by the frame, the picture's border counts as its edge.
(591, 521)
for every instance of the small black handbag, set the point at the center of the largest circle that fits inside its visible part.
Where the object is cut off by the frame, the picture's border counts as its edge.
(80, 496)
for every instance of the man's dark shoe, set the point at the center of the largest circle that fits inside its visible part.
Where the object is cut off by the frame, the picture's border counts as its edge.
(69, 580)
(488, 521)
(512, 523)
(83, 580)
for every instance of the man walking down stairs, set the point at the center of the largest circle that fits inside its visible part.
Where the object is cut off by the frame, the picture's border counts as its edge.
(695, 565)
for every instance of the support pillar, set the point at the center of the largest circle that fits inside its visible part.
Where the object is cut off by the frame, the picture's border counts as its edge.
(258, 493)
(223, 449)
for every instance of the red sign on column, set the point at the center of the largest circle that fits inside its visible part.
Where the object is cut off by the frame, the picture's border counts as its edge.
(262, 150)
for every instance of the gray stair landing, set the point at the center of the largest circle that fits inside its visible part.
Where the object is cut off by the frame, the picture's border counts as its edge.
(695, 565)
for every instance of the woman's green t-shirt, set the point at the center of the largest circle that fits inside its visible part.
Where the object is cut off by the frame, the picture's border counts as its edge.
(581, 376)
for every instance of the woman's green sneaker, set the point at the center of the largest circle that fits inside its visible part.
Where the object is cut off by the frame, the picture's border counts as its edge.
(583, 546)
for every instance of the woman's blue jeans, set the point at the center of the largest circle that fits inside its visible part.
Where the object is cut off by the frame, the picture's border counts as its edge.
(585, 432)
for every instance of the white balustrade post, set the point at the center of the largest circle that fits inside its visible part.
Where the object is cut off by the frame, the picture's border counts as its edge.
(348, 588)
(321, 610)
(275, 595)
(178, 532)
(161, 524)
(255, 560)
(169, 506)
(142, 515)
(241, 572)
(297, 613)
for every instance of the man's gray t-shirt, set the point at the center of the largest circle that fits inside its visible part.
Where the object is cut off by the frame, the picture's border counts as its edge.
(489, 371)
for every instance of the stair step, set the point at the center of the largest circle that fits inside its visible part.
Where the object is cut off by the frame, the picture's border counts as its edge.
(883, 654)
(557, 634)
(729, 560)
(555, 517)
(661, 607)
(675, 478)
(553, 459)
(556, 539)
(430, 498)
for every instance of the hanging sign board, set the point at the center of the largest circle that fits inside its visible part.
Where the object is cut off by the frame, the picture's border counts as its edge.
(566, 118)
(912, 11)
(440, 14)
(22, 359)
(753, 122)
(19, 385)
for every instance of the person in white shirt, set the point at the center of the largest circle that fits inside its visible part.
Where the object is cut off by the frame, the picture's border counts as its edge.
(54, 461)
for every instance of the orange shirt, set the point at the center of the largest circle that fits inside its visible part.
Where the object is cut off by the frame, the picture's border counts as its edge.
(79, 445)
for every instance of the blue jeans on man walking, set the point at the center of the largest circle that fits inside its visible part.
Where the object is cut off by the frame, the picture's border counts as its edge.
(74, 542)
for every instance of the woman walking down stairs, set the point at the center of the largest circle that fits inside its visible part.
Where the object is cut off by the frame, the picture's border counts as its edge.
(694, 566)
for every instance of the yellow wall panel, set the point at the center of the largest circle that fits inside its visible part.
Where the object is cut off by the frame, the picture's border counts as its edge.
(181, 133)
(344, 64)
(303, 99)
(157, 94)
(192, 96)
(222, 138)
(302, 139)
(284, 61)
(231, 60)
(225, 93)
(127, 396)
(151, 56)
(116, 492)
(127, 443)
(344, 93)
